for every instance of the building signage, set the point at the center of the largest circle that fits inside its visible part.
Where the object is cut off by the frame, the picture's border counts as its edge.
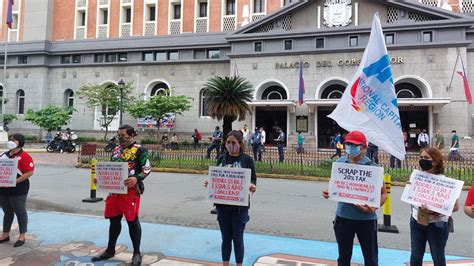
(329, 63)
(337, 13)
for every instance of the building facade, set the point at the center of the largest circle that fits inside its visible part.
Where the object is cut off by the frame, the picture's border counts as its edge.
(175, 46)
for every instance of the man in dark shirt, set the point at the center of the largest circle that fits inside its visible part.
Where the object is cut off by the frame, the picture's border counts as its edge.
(216, 143)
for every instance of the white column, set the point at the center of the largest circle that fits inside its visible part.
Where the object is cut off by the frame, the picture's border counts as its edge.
(253, 123)
(319, 17)
(356, 14)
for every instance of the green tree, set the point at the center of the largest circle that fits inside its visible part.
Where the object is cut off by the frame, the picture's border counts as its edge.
(8, 118)
(50, 117)
(227, 98)
(106, 97)
(159, 105)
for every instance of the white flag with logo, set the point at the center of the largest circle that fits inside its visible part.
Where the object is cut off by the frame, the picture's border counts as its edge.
(369, 103)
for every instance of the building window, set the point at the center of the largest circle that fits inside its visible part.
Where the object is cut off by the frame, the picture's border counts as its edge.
(111, 58)
(76, 59)
(148, 56)
(82, 18)
(286, 2)
(319, 43)
(389, 38)
(122, 57)
(203, 9)
(354, 41)
(334, 91)
(177, 11)
(22, 59)
(65, 59)
(173, 55)
(98, 58)
(258, 46)
(20, 100)
(128, 15)
(259, 6)
(204, 104)
(160, 89)
(288, 45)
(152, 13)
(427, 36)
(213, 54)
(230, 7)
(105, 17)
(161, 56)
(69, 98)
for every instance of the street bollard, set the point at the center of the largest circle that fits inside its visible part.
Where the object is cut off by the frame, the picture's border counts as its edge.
(387, 226)
(93, 197)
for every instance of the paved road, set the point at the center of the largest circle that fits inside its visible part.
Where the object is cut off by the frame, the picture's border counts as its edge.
(280, 207)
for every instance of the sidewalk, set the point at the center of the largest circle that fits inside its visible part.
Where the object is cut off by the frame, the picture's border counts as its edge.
(64, 239)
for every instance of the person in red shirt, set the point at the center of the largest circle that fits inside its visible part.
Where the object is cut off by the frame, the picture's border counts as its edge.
(469, 205)
(13, 199)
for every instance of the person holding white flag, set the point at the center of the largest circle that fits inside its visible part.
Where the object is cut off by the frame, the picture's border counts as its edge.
(369, 103)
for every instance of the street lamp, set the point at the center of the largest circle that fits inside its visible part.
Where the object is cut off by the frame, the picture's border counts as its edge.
(121, 85)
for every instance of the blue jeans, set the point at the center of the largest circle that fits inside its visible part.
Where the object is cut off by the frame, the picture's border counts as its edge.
(216, 146)
(281, 154)
(257, 152)
(436, 234)
(232, 222)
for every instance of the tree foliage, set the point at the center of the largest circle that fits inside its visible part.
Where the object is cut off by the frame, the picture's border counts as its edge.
(8, 118)
(49, 118)
(159, 105)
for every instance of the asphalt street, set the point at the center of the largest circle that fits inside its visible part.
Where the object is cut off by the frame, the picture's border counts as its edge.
(279, 207)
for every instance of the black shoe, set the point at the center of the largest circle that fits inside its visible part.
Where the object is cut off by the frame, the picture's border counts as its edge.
(137, 260)
(19, 243)
(5, 240)
(103, 256)
(214, 211)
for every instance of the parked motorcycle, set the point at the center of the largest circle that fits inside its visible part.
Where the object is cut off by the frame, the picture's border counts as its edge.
(111, 144)
(68, 145)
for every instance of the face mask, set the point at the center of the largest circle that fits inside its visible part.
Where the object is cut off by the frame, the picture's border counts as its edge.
(232, 148)
(11, 145)
(425, 164)
(353, 150)
(124, 142)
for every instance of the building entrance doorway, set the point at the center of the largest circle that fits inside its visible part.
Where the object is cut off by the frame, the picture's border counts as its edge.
(271, 118)
(414, 119)
(327, 128)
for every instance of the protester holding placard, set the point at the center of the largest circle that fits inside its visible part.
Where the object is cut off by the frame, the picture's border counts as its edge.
(469, 205)
(429, 226)
(119, 205)
(232, 219)
(354, 219)
(13, 199)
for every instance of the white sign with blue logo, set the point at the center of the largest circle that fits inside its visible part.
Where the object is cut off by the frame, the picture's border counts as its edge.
(369, 103)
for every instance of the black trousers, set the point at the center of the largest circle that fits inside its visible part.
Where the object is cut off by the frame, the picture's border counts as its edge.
(366, 231)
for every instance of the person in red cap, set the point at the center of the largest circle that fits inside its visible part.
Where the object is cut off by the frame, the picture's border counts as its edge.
(354, 219)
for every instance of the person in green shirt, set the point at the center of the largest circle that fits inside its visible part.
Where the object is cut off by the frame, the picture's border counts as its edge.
(454, 150)
(300, 141)
(439, 140)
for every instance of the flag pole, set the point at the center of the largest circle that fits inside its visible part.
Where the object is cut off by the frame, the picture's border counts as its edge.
(454, 69)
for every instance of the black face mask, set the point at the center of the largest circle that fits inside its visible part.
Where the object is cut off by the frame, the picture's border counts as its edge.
(425, 164)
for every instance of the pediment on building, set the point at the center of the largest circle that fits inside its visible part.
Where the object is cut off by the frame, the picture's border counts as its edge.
(314, 15)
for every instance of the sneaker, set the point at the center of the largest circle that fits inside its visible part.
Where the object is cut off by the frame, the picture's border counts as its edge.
(103, 256)
(137, 260)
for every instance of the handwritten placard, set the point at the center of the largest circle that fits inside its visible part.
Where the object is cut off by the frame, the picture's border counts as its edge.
(8, 172)
(111, 177)
(438, 192)
(229, 185)
(356, 184)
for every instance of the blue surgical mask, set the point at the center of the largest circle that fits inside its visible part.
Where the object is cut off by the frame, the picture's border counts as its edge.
(353, 150)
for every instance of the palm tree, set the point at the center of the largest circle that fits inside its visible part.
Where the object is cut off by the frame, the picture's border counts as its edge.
(227, 99)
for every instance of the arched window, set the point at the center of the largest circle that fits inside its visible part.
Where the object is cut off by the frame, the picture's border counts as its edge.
(69, 98)
(160, 89)
(20, 102)
(407, 90)
(204, 104)
(334, 91)
(274, 93)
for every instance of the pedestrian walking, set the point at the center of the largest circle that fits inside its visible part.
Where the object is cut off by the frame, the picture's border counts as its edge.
(426, 225)
(232, 219)
(469, 205)
(280, 141)
(300, 142)
(197, 137)
(215, 143)
(257, 147)
(13, 199)
(423, 139)
(128, 205)
(339, 146)
(246, 134)
(354, 219)
(439, 140)
(454, 153)
(373, 152)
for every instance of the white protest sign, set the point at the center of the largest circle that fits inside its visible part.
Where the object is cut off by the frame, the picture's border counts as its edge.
(111, 177)
(438, 192)
(8, 172)
(229, 185)
(356, 184)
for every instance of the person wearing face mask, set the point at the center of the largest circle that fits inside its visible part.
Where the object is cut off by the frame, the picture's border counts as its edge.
(232, 219)
(128, 205)
(429, 226)
(13, 199)
(354, 219)
(423, 139)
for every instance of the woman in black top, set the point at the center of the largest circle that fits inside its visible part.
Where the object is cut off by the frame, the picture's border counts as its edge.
(232, 219)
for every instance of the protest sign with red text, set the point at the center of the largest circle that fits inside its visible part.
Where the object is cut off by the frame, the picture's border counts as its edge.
(111, 177)
(229, 185)
(8, 172)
